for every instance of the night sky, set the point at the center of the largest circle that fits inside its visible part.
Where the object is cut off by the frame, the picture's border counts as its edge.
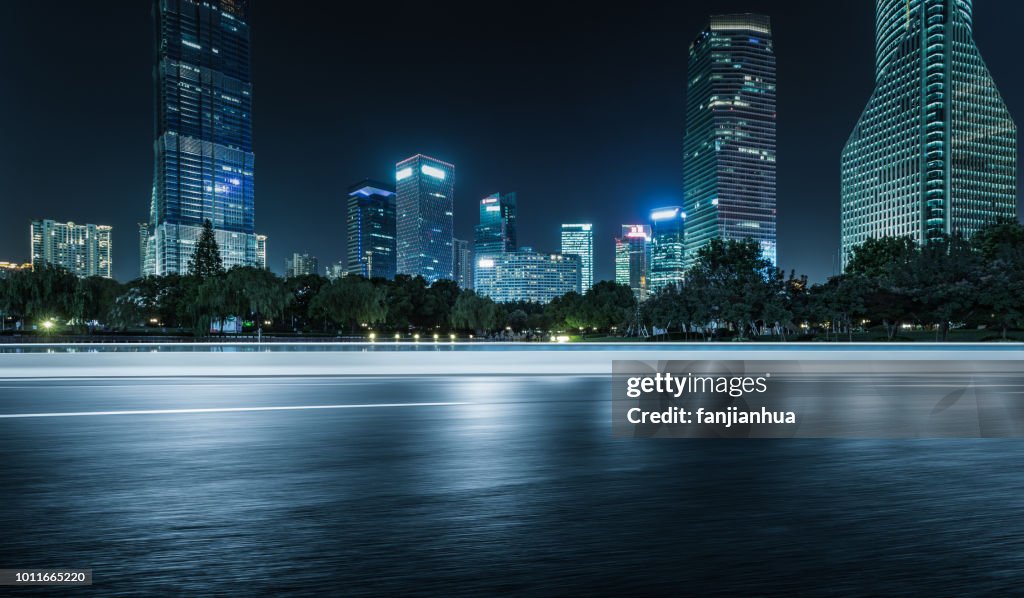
(579, 109)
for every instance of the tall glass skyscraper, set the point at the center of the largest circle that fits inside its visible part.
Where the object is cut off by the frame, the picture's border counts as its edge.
(729, 148)
(935, 150)
(496, 232)
(462, 263)
(668, 228)
(633, 258)
(371, 230)
(424, 217)
(578, 239)
(203, 150)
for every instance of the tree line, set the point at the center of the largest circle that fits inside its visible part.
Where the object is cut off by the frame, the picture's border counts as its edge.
(732, 291)
(888, 283)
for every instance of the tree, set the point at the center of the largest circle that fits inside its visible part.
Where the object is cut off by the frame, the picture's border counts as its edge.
(258, 292)
(606, 305)
(1001, 285)
(880, 268)
(734, 284)
(473, 312)
(405, 296)
(517, 320)
(302, 289)
(438, 303)
(351, 300)
(45, 292)
(94, 300)
(206, 260)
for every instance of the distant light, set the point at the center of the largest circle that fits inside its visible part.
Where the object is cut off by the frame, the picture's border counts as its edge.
(664, 214)
(397, 336)
(416, 337)
(488, 200)
(714, 201)
(562, 338)
(493, 208)
(403, 174)
(486, 263)
(436, 336)
(437, 173)
(373, 335)
(48, 324)
(452, 336)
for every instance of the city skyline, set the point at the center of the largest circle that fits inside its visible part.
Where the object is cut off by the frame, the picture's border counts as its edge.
(646, 164)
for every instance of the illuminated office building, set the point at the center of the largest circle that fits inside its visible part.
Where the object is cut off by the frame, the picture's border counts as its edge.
(526, 275)
(204, 161)
(668, 229)
(496, 232)
(371, 230)
(935, 151)
(82, 249)
(424, 220)
(633, 258)
(144, 266)
(301, 264)
(578, 239)
(462, 262)
(729, 146)
(261, 252)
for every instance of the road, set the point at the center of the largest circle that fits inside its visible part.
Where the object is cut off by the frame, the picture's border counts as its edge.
(476, 484)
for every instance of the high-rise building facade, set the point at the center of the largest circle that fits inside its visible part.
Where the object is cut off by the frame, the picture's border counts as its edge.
(578, 239)
(371, 230)
(935, 151)
(526, 275)
(424, 217)
(496, 232)
(668, 235)
(729, 147)
(143, 247)
(83, 249)
(261, 252)
(301, 264)
(204, 163)
(462, 262)
(633, 258)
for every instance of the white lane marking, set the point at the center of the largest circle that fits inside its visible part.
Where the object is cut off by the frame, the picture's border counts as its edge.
(225, 409)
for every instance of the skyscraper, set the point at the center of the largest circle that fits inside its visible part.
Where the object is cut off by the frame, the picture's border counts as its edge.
(261, 252)
(462, 263)
(203, 166)
(496, 232)
(578, 239)
(729, 147)
(83, 249)
(301, 264)
(935, 151)
(424, 217)
(143, 245)
(633, 258)
(371, 230)
(667, 239)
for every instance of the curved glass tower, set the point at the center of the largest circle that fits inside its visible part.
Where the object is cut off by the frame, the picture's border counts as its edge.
(935, 150)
